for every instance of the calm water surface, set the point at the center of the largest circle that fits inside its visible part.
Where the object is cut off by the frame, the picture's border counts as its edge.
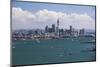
(52, 51)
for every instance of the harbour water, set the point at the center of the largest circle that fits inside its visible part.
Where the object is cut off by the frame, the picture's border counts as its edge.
(53, 51)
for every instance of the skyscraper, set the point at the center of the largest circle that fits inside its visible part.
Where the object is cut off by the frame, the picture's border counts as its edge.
(58, 23)
(57, 28)
(82, 32)
(53, 27)
(71, 30)
(46, 29)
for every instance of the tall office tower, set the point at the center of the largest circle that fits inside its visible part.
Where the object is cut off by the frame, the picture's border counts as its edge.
(71, 30)
(82, 32)
(57, 29)
(46, 29)
(58, 23)
(53, 27)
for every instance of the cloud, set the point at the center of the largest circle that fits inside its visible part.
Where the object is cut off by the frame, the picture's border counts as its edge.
(22, 15)
(24, 19)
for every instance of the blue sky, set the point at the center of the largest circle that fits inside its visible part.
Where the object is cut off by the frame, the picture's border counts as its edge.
(79, 10)
(68, 8)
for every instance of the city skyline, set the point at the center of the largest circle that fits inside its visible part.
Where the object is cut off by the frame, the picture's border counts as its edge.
(31, 16)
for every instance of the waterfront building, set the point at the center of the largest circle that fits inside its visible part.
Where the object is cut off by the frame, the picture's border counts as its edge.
(37, 32)
(61, 32)
(42, 32)
(82, 32)
(67, 32)
(75, 33)
(46, 29)
(50, 30)
(53, 27)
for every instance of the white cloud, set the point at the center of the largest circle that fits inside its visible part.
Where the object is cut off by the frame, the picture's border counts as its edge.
(23, 19)
(22, 15)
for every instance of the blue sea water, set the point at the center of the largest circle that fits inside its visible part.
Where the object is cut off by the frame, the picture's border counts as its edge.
(52, 51)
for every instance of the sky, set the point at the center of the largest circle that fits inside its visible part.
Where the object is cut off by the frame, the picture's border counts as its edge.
(32, 15)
